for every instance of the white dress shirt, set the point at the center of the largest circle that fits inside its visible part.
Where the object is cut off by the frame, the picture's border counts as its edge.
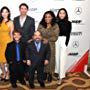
(22, 20)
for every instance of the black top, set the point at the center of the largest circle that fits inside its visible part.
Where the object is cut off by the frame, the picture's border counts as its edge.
(65, 29)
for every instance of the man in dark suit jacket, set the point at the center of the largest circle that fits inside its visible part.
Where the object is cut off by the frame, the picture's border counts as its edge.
(38, 55)
(24, 23)
(15, 56)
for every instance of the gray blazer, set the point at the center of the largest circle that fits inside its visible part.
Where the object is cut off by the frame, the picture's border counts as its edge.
(28, 28)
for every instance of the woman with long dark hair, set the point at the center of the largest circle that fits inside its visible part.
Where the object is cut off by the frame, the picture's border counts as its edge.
(50, 30)
(62, 42)
(6, 28)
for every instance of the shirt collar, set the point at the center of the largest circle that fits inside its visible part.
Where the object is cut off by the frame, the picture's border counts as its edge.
(37, 43)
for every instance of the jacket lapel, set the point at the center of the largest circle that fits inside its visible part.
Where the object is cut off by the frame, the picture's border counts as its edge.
(34, 47)
(14, 51)
(26, 21)
(18, 22)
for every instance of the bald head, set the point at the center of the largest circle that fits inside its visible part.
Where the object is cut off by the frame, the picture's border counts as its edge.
(37, 36)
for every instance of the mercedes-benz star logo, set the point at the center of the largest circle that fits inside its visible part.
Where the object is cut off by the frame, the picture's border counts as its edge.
(78, 10)
(75, 44)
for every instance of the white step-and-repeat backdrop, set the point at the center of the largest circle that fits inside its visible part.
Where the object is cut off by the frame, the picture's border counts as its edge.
(79, 13)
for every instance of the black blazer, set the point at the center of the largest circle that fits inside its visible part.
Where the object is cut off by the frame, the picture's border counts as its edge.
(28, 28)
(10, 52)
(37, 57)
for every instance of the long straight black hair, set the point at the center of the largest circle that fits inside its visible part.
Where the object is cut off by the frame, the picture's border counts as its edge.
(42, 22)
(66, 17)
(1, 17)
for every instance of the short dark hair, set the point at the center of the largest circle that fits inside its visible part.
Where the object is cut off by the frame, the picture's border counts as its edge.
(23, 4)
(17, 31)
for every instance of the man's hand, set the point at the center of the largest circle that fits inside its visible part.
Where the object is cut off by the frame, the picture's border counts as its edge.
(46, 62)
(30, 40)
(28, 62)
(24, 61)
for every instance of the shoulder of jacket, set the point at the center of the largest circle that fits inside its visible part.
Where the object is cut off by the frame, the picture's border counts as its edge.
(10, 43)
(29, 17)
(30, 43)
(16, 17)
(55, 26)
(41, 26)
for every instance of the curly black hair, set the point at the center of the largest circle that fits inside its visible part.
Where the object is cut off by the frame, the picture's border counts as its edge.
(42, 22)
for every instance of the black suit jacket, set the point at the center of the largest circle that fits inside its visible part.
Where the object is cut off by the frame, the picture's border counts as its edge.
(10, 52)
(28, 28)
(35, 56)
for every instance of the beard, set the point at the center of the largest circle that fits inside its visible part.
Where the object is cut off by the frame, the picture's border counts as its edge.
(38, 40)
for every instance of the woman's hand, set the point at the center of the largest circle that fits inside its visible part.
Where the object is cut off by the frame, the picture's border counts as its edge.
(45, 41)
(46, 62)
